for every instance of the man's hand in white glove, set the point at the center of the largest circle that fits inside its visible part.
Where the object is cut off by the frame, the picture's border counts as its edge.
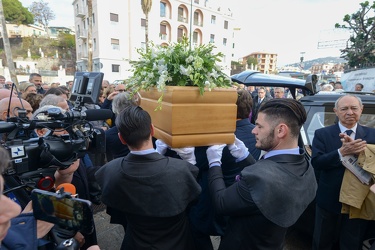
(238, 149)
(161, 147)
(214, 154)
(186, 154)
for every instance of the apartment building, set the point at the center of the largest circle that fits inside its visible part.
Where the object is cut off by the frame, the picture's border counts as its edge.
(23, 30)
(118, 30)
(266, 61)
(327, 68)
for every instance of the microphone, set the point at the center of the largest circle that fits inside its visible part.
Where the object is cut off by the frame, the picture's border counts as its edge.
(6, 127)
(68, 188)
(98, 114)
(89, 115)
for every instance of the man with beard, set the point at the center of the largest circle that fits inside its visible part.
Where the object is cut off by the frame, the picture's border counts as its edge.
(37, 80)
(271, 194)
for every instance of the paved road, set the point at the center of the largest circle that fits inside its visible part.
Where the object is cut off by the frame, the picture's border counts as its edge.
(110, 235)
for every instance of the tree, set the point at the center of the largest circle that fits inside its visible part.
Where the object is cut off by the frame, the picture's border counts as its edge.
(8, 52)
(42, 13)
(14, 12)
(251, 61)
(360, 46)
(146, 8)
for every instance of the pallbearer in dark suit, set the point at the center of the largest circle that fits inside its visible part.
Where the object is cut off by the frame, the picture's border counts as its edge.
(152, 191)
(329, 145)
(271, 194)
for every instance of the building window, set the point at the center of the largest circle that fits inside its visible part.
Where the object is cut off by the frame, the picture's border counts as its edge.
(163, 32)
(115, 68)
(196, 18)
(163, 9)
(115, 43)
(212, 38)
(180, 33)
(224, 41)
(94, 43)
(114, 17)
(143, 22)
(93, 18)
(195, 38)
(226, 25)
(196, 1)
(181, 17)
(213, 19)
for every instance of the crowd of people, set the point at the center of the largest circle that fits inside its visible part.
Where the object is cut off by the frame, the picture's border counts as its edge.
(249, 193)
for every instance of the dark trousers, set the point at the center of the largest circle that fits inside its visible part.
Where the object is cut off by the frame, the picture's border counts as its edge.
(332, 230)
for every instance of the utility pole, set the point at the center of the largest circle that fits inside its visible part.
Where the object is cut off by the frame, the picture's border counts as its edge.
(301, 64)
(191, 22)
(8, 51)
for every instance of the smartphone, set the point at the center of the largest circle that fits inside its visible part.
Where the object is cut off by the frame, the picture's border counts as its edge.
(64, 211)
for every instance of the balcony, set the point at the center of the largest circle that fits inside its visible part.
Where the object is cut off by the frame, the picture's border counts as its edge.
(80, 14)
(182, 19)
(82, 35)
(163, 36)
(197, 23)
(82, 56)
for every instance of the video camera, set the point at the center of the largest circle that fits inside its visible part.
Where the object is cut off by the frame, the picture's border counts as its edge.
(30, 155)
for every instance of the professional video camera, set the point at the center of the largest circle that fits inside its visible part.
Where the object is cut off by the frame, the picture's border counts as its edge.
(33, 157)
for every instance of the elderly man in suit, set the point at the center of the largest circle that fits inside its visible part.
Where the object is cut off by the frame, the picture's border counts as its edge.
(329, 145)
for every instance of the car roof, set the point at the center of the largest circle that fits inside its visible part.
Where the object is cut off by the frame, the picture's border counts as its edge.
(321, 99)
(256, 78)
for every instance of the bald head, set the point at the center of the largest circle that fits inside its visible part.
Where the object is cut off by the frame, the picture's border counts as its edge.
(5, 93)
(14, 106)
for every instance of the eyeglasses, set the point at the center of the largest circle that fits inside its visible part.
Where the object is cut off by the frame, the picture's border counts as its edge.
(121, 90)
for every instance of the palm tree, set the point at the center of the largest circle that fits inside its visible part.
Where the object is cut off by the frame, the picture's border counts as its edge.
(89, 36)
(8, 52)
(146, 7)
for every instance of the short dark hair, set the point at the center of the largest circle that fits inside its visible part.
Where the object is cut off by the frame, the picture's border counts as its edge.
(34, 74)
(286, 110)
(54, 91)
(244, 104)
(360, 84)
(134, 125)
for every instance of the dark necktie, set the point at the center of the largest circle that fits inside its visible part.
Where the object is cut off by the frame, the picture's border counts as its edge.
(349, 132)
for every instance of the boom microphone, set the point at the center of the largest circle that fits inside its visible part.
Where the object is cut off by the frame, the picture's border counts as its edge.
(98, 114)
(6, 127)
(88, 115)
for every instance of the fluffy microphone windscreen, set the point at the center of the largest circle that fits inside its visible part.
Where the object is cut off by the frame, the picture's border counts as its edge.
(68, 188)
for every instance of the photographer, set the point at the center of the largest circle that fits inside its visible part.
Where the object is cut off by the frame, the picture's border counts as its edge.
(13, 224)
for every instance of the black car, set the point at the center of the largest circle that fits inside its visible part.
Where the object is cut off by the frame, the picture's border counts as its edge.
(319, 108)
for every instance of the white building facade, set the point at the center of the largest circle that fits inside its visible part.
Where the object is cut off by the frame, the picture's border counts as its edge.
(119, 30)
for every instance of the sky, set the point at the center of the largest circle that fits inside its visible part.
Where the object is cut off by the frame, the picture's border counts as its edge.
(289, 28)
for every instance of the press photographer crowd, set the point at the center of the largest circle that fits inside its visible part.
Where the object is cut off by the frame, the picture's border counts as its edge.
(69, 147)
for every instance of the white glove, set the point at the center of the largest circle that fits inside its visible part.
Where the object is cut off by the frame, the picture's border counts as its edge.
(161, 147)
(214, 154)
(186, 154)
(238, 149)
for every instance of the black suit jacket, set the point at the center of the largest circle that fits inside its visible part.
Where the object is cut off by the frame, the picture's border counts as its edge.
(153, 192)
(269, 198)
(256, 107)
(326, 161)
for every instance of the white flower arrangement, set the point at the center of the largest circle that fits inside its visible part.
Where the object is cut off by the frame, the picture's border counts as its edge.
(177, 65)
